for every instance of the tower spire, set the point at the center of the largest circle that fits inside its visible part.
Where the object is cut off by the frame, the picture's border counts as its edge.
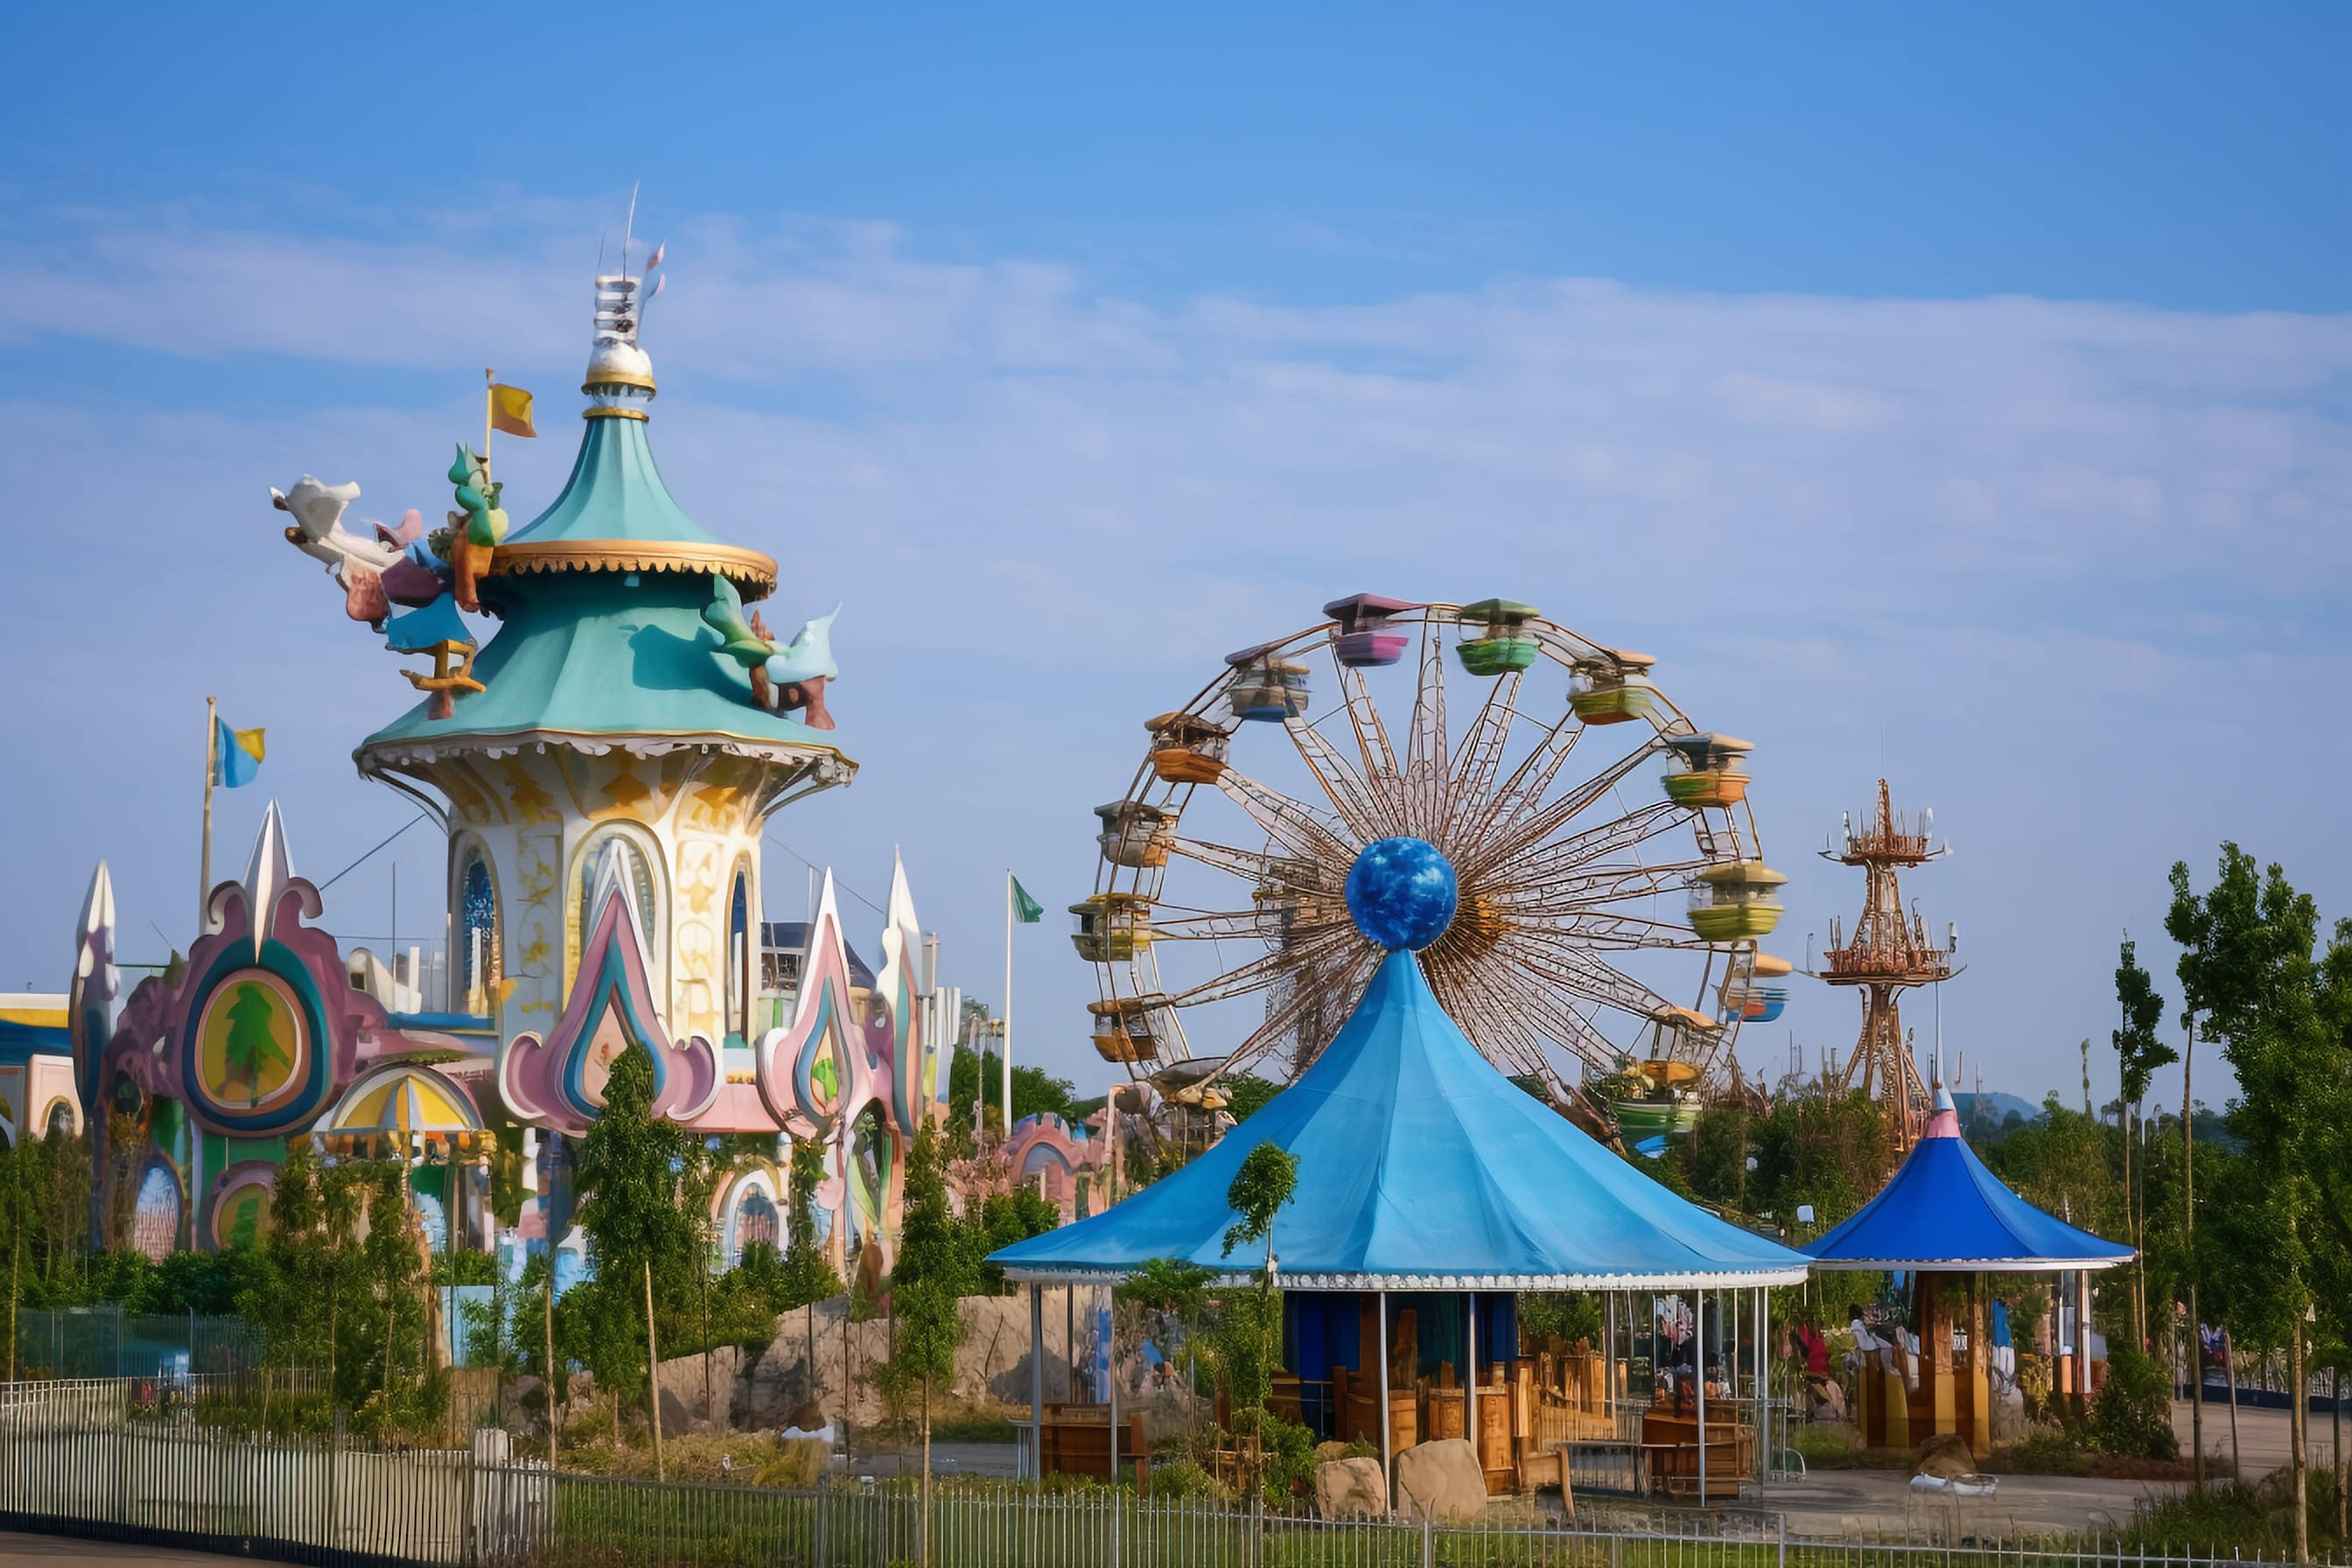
(1888, 955)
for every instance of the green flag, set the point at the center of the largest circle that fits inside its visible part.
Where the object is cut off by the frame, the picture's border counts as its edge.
(1030, 911)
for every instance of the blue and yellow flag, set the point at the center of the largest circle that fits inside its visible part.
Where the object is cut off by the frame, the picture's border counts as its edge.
(236, 755)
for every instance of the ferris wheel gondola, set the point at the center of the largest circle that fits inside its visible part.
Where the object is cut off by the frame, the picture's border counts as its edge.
(1573, 812)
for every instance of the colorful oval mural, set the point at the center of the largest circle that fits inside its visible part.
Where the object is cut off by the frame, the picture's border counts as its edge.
(251, 1046)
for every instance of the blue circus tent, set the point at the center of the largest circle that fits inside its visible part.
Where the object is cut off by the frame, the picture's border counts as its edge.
(1943, 1210)
(1420, 1167)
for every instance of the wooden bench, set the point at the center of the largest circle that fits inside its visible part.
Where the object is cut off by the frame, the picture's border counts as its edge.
(1075, 1440)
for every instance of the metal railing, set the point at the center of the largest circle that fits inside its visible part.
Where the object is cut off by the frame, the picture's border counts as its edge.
(77, 1468)
(107, 1341)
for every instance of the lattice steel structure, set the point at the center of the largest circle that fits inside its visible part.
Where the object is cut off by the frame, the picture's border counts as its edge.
(1890, 954)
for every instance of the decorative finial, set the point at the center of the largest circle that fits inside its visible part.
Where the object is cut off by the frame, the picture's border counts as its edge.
(618, 368)
(1401, 892)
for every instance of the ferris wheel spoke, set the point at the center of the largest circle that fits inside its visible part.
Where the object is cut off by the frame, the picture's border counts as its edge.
(1603, 930)
(1482, 750)
(1372, 741)
(1332, 987)
(1531, 831)
(1211, 925)
(1531, 779)
(1590, 887)
(1359, 808)
(1268, 968)
(1571, 1030)
(1585, 976)
(1580, 849)
(1491, 1022)
(1425, 750)
(1254, 865)
(1283, 818)
(1337, 994)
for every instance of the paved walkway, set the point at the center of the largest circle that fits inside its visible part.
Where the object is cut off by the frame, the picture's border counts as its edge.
(2264, 1435)
(1835, 1504)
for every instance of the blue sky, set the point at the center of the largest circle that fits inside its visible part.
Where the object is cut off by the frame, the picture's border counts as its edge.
(1965, 397)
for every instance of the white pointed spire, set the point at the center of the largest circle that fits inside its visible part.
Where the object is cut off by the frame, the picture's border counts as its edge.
(900, 917)
(94, 957)
(267, 875)
(611, 883)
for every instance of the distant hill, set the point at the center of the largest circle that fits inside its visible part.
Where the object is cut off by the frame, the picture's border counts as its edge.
(1997, 1106)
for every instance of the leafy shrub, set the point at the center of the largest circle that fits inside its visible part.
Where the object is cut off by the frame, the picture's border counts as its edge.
(1183, 1478)
(797, 1464)
(2049, 1453)
(2132, 1414)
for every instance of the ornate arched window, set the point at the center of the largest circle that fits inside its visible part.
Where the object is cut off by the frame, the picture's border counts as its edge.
(637, 875)
(739, 954)
(477, 933)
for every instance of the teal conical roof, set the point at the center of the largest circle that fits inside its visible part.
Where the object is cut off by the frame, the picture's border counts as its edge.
(616, 515)
(616, 491)
(601, 596)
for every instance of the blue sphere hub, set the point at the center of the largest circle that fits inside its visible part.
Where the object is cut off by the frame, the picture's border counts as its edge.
(1403, 892)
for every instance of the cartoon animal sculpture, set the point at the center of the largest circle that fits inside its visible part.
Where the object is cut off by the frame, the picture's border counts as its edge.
(792, 676)
(356, 564)
(477, 530)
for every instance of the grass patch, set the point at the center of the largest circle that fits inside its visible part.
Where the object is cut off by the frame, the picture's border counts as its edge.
(976, 1427)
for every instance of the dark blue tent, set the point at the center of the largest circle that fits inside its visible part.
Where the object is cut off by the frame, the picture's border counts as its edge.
(1943, 1210)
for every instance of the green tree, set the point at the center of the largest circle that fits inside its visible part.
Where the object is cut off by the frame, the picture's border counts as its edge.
(975, 1073)
(637, 1171)
(808, 1274)
(1262, 1188)
(2138, 1053)
(2250, 964)
(936, 1268)
(1008, 1217)
(1246, 1094)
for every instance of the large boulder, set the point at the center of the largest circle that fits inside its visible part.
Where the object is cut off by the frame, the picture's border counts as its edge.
(1440, 1481)
(1947, 1457)
(1350, 1488)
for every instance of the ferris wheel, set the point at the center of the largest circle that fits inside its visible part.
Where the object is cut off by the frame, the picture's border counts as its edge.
(1610, 883)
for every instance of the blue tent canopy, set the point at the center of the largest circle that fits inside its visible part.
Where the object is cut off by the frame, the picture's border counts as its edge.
(1420, 1167)
(1944, 1210)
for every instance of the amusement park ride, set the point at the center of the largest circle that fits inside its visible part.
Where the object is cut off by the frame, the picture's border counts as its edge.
(1566, 965)
(1889, 954)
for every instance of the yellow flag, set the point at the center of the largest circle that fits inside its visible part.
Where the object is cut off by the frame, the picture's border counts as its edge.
(511, 410)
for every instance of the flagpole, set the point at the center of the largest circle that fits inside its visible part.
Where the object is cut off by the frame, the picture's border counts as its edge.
(489, 400)
(212, 766)
(1008, 1001)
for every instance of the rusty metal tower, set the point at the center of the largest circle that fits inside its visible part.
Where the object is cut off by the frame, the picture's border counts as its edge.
(1888, 955)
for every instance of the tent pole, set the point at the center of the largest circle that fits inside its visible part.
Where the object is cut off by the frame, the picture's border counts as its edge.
(1037, 1382)
(1698, 1380)
(1609, 1355)
(1388, 1487)
(1470, 1389)
(1763, 1372)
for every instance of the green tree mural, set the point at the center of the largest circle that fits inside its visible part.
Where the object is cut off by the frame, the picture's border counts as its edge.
(251, 1048)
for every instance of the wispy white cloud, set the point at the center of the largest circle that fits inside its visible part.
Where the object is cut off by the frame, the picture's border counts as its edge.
(2082, 566)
